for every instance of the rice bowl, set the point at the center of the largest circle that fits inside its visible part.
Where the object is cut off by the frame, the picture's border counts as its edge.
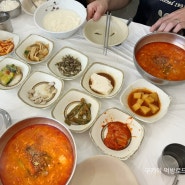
(53, 18)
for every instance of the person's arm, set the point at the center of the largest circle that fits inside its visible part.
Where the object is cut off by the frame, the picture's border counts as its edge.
(174, 22)
(97, 8)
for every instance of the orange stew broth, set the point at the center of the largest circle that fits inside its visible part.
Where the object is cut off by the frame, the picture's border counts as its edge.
(37, 155)
(163, 60)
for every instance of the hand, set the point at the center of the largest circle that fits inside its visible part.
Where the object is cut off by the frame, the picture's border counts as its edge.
(174, 22)
(96, 9)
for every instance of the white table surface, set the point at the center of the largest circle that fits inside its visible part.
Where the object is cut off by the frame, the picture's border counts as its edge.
(170, 129)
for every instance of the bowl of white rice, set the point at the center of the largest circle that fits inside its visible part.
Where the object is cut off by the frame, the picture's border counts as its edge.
(60, 19)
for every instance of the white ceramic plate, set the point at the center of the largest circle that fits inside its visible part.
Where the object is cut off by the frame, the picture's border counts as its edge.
(116, 74)
(31, 39)
(103, 170)
(83, 59)
(75, 95)
(4, 35)
(143, 84)
(94, 31)
(25, 69)
(34, 79)
(111, 115)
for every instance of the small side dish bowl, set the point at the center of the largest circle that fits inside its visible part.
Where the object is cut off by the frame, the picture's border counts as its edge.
(14, 7)
(28, 6)
(41, 90)
(114, 115)
(66, 16)
(94, 31)
(107, 79)
(47, 142)
(160, 58)
(69, 101)
(145, 86)
(35, 49)
(13, 73)
(68, 63)
(11, 40)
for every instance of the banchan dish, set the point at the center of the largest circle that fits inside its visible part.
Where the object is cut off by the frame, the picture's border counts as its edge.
(40, 151)
(116, 115)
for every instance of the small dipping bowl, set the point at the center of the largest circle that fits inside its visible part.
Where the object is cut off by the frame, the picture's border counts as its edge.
(5, 22)
(172, 160)
(5, 121)
(12, 7)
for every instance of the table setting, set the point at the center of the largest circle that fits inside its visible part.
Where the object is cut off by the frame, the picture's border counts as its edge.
(140, 157)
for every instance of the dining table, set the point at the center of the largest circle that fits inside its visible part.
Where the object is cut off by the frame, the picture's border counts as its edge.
(169, 129)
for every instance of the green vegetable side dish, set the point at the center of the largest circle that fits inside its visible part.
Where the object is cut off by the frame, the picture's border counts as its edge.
(9, 73)
(80, 114)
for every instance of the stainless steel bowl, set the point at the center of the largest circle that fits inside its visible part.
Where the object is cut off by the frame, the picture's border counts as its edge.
(15, 12)
(172, 38)
(16, 127)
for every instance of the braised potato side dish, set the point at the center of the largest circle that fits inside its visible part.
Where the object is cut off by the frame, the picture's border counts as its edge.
(144, 102)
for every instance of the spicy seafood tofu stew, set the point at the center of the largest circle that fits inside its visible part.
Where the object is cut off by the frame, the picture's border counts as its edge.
(37, 155)
(144, 102)
(162, 60)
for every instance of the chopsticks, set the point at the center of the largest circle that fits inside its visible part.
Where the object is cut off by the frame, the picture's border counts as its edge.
(107, 28)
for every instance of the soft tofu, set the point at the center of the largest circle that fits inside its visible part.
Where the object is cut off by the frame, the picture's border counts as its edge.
(101, 84)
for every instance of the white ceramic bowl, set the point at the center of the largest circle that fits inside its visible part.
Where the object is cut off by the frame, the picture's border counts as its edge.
(94, 31)
(28, 6)
(71, 96)
(28, 41)
(54, 5)
(25, 69)
(36, 78)
(103, 169)
(116, 74)
(83, 59)
(5, 35)
(143, 84)
(116, 115)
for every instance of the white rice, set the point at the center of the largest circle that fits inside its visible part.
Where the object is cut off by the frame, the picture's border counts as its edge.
(8, 5)
(61, 20)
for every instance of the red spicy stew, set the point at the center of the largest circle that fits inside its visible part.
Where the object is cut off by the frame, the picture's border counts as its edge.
(162, 60)
(37, 155)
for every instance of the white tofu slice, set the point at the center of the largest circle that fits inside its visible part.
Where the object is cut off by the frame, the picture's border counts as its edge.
(101, 84)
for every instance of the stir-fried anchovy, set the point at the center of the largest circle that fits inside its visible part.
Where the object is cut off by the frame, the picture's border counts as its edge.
(69, 66)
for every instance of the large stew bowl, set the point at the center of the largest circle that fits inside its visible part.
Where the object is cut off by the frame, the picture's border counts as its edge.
(25, 163)
(172, 38)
